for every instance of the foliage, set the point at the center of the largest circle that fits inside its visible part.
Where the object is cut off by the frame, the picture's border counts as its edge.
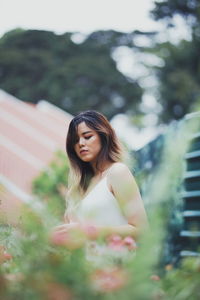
(50, 186)
(182, 283)
(166, 9)
(39, 65)
(180, 79)
(179, 76)
(56, 269)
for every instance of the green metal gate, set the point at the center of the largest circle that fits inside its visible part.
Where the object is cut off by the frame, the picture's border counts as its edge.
(191, 195)
(186, 240)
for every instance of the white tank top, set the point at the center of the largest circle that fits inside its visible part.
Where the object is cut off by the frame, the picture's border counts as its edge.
(100, 207)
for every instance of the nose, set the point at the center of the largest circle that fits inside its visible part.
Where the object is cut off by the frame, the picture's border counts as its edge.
(81, 142)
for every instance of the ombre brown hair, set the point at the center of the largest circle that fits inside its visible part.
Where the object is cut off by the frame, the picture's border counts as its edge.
(110, 151)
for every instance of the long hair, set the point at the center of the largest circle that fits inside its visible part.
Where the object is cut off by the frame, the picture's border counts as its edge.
(110, 146)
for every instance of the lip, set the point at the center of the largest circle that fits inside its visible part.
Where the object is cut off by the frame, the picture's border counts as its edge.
(83, 152)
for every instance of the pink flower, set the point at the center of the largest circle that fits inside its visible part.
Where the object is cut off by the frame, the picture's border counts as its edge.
(4, 255)
(130, 243)
(116, 239)
(109, 280)
(155, 277)
(58, 238)
(115, 242)
(7, 256)
(90, 231)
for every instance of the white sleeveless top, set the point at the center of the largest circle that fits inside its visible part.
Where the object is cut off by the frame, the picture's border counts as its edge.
(100, 207)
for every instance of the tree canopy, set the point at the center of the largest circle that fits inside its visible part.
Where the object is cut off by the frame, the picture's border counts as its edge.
(37, 65)
(179, 77)
(168, 8)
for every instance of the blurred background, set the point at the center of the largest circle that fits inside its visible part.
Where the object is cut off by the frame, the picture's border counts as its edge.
(137, 62)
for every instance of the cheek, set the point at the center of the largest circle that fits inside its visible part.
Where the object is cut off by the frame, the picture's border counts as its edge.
(98, 144)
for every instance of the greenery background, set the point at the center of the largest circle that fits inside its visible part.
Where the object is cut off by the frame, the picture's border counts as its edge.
(37, 64)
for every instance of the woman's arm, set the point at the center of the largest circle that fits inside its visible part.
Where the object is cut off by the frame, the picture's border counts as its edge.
(126, 191)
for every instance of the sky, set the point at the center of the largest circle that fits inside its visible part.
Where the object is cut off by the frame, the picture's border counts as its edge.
(76, 15)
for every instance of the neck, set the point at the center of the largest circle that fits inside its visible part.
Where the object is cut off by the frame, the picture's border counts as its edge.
(104, 167)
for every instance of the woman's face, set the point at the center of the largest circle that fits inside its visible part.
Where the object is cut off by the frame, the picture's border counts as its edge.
(88, 145)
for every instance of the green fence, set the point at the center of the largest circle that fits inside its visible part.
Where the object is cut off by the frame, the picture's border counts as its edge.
(190, 232)
(186, 236)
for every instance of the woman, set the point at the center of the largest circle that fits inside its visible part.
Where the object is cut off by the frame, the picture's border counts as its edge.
(104, 194)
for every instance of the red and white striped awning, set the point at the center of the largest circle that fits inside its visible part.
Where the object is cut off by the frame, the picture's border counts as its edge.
(29, 136)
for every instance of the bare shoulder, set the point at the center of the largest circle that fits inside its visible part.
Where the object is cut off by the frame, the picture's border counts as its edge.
(119, 169)
(119, 174)
(122, 183)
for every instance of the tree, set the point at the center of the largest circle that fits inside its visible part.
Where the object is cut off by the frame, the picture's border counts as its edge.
(38, 65)
(179, 77)
(167, 9)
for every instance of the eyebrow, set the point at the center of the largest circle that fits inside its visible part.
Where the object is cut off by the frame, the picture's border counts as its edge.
(86, 132)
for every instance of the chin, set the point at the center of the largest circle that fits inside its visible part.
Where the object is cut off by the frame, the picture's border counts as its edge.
(86, 159)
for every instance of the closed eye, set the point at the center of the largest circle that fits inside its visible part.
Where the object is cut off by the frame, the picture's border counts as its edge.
(88, 137)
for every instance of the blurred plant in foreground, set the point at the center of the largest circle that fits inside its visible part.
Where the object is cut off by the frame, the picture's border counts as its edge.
(50, 186)
(36, 265)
